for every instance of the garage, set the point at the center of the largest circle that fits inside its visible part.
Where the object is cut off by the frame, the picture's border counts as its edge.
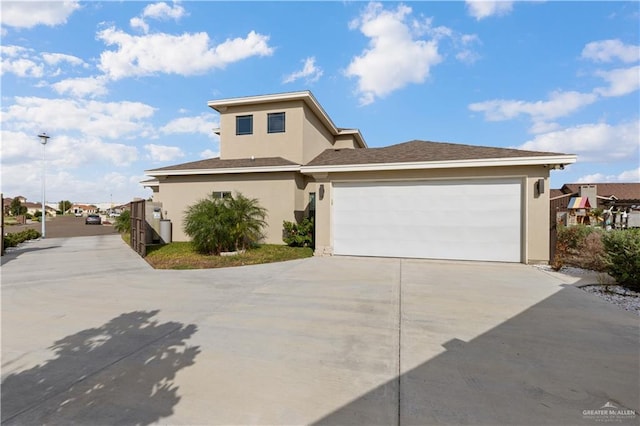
(479, 219)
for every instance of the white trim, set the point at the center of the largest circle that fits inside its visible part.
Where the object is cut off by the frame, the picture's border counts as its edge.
(489, 162)
(221, 105)
(223, 171)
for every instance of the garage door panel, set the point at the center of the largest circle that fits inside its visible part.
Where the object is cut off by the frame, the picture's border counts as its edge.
(470, 220)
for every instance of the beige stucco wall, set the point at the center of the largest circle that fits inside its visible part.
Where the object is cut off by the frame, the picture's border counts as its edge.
(316, 137)
(303, 139)
(535, 208)
(282, 194)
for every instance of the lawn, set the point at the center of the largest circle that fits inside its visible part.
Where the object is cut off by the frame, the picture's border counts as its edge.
(181, 255)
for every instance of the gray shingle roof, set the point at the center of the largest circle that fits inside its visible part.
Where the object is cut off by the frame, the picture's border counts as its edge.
(419, 151)
(217, 163)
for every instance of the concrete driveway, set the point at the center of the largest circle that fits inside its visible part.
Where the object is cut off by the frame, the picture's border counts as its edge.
(92, 335)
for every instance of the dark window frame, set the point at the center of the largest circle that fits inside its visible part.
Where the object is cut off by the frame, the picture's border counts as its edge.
(240, 125)
(279, 124)
(221, 194)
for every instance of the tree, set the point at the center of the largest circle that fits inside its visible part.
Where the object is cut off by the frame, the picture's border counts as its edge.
(64, 206)
(16, 208)
(224, 224)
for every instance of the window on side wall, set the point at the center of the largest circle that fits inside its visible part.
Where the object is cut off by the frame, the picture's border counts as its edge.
(244, 124)
(275, 122)
(221, 194)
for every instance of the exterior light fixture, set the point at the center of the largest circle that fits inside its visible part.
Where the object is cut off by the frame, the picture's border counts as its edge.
(43, 218)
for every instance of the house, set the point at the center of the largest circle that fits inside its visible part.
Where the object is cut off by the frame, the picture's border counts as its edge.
(573, 203)
(417, 199)
(31, 207)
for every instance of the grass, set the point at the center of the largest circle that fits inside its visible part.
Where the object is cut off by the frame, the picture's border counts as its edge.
(181, 255)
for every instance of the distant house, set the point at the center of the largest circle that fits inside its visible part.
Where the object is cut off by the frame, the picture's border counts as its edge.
(32, 208)
(573, 203)
(419, 199)
(84, 209)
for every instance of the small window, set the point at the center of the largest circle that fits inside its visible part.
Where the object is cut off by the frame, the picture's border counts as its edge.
(221, 194)
(244, 124)
(275, 122)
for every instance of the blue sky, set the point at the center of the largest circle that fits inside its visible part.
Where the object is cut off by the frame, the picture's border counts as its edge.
(122, 87)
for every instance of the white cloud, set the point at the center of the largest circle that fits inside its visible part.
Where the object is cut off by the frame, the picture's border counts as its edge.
(395, 58)
(609, 50)
(22, 67)
(91, 118)
(481, 9)
(626, 176)
(591, 142)
(82, 87)
(209, 153)
(163, 11)
(186, 54)
(139, 23)
(160, 11)
(559, 104)
(28, 14)
(56, 58)
(25, 62)
(161, 153)
(310, 72)
(622, 81)
(62, 151)
(203, 124)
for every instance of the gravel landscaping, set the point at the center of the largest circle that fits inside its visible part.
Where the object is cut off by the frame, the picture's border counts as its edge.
(603, 287)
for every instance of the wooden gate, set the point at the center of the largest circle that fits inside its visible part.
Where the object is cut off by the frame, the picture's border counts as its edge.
(138, 227)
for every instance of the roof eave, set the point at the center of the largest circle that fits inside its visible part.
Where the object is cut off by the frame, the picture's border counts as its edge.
(222, 171)
(556, 160)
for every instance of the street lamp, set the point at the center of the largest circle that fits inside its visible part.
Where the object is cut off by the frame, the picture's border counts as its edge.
(43, 218)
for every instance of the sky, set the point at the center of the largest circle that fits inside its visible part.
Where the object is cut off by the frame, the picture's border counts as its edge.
(122, 87)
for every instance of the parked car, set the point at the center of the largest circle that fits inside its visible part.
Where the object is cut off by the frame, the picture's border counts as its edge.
(78, 214)
(93, 219)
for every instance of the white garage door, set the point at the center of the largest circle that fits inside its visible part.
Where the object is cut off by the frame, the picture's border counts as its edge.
(465, 220)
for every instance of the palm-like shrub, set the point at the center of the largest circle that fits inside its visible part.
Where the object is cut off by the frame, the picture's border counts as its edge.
(123, 222)
(224, 224)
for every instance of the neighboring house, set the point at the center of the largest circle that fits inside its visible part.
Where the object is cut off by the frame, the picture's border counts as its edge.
(573, 203)
(84, 209)
(416, 199)
(32, 208)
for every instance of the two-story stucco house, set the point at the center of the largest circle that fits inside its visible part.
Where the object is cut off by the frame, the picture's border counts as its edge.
(415, 199)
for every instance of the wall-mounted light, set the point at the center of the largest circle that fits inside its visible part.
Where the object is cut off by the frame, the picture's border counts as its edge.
(540, 186)
(321, 191)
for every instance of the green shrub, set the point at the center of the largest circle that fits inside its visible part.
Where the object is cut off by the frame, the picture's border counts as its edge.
(623, 257)
(123, 222)
(298, 234)
(15, 238)
(224, 224)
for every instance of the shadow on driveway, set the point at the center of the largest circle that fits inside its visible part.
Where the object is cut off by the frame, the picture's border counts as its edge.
(119, 373)
(13, 252)
(547, 365)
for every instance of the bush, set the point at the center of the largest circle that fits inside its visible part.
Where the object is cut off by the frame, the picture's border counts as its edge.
(298, 234)
(224, 224)
(13, 239)
(623, 257)
(579, 246)
(123, 222)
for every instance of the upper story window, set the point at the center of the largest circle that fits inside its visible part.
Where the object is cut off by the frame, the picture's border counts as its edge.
(244, 124)
(275, 122)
